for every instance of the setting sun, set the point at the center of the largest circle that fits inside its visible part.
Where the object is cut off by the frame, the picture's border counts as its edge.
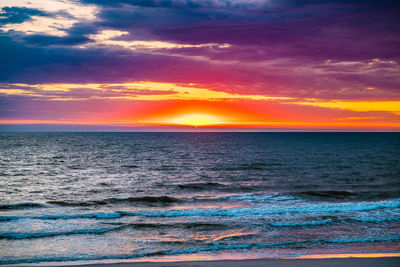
(197, 120)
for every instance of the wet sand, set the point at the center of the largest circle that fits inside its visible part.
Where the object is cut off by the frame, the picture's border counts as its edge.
(342, 262)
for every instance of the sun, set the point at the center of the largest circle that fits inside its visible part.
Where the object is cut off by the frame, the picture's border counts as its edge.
(197, 120)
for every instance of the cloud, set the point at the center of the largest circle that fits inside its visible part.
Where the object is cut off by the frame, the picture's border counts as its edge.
(45, 17)
(13, 15)
(110, 38)
(184, 4)
(143, 91)
(360, 106)
(330, 50)
(311, 31)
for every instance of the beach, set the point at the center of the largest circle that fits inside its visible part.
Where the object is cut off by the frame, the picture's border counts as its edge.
(343, 262)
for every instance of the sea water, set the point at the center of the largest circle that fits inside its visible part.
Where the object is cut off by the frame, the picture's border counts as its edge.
(100, 197)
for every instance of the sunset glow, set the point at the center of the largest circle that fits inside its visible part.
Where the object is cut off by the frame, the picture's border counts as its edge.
(197, 120)
(229, 65)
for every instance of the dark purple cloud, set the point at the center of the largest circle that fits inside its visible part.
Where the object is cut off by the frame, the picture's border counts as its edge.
(26, 64)
(323, 49)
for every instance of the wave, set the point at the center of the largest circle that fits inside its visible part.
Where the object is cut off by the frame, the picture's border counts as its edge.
(363, 240)
(66, 203)
(215, 246)
(374, 220)
(260, 197)
(200, 186)
(98, 215)
(119, 226)
(343, 194)
(190, 225)
(234, 237)
(18, 206)
(273, 209)
(47, 234)
(307, 208)
(28, 235)
(146, 200)
(326, 193)
(167, 200)
(218, 187)
(298, 224)
(149, 200)
(203, 225)
(9, 218)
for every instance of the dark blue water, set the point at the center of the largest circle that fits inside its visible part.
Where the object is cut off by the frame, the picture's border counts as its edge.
(159, 196)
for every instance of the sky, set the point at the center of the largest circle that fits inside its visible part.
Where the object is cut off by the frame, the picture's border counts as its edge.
(194, 65)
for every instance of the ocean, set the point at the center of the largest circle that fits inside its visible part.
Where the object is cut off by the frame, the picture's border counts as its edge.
(112, 197)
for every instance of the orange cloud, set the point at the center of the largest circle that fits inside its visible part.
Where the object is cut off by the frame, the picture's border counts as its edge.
(361, 106)
(146, 91)
(155, 103)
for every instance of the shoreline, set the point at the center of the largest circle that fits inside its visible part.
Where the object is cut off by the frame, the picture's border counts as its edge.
(350, 259)
(388, 261)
